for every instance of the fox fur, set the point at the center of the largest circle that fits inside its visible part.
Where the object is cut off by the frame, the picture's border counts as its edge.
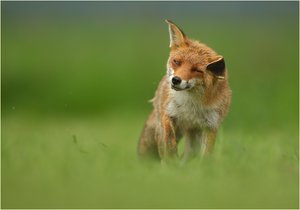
(191, 100)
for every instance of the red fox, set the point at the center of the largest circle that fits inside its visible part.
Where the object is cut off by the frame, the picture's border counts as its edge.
(191, 100)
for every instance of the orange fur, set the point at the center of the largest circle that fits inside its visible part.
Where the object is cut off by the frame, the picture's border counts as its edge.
(195, 107)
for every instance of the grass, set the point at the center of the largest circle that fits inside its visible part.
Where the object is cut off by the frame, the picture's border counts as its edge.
(92, 163)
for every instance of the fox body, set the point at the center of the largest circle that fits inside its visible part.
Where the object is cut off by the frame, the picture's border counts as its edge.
(191, 100)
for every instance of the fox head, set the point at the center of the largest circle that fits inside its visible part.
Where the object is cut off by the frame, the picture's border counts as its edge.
(191, 64)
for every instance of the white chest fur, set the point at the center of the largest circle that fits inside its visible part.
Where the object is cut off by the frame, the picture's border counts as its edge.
(186, 107)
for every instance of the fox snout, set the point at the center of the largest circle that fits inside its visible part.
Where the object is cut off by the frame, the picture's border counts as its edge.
(176, 83)
(176, 80)
(179, 84)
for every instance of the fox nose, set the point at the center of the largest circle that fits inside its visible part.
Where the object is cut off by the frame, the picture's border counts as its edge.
(176, 80)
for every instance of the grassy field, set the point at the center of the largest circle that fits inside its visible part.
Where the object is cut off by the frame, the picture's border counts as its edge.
(91, 163)
(74, 100)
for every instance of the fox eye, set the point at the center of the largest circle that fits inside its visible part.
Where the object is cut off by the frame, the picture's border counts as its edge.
(177, 62)
(196, 70)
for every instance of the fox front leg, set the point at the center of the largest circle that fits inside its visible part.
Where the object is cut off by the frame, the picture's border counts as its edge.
(192, 145)
(167, 145)
(208, 141)
(198, 142)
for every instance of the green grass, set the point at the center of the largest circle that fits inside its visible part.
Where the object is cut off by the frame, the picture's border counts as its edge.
(92, 163)
(74, 101)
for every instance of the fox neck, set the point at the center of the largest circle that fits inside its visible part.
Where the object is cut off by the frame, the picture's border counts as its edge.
(194, 95)
(188, 108)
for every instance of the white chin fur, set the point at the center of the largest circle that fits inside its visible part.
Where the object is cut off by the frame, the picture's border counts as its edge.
(184, 85)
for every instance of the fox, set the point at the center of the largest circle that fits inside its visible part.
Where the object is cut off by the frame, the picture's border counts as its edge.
(191, 101)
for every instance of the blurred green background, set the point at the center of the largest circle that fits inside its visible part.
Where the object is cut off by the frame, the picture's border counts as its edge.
(76, 78)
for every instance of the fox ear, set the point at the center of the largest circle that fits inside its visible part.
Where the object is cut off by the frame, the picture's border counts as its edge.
(217, 67)
(177, 37)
